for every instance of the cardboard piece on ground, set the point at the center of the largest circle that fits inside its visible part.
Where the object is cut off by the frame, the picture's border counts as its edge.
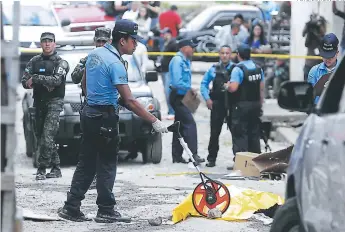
(276, 162)
(244, 163)
(28, 214)
(191, 101)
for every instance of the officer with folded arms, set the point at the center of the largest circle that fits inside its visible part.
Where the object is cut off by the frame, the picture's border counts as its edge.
(46, 75)
(329, 53)
(247, 85)
(180, 83)
(217, 100)
(106, 79)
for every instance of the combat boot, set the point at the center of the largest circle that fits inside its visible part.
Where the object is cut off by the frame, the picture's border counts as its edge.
(197, 159)
(211, 164)
(76, 216)
(54, 173)
(41, 174)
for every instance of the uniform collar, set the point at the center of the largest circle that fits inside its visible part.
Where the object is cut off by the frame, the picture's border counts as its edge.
(48, 56)
(227, 66)
(182, 55)
(323, 66)
(112, 49)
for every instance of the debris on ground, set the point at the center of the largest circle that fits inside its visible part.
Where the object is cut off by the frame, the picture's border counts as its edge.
(214, 213)
(155, 221)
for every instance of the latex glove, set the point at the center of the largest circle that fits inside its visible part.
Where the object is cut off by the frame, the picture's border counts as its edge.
(158, 126)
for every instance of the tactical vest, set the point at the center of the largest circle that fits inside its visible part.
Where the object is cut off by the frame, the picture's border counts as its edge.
(46, 68)
(249, 90)
(222, 77)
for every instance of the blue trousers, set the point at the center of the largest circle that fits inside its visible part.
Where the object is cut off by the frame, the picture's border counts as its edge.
(187, 127)
(166, 82)
(98, 155)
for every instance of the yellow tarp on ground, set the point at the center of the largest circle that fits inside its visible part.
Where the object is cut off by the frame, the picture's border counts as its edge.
(244, 202)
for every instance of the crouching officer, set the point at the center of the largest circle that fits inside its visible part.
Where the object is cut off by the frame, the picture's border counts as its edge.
(180, 84)
(218, 99)
(106, 78)
(46, 75)
(247, 85)
(319, 74)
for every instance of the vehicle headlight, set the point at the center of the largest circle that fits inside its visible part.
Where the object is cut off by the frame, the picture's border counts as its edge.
(147, 103)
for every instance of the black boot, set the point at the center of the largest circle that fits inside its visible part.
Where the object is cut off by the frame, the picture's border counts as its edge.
(211, 164)
(77, 216)
(41, 174)
(110, 217)
(197, 159)
(54, 173)
(179, 160)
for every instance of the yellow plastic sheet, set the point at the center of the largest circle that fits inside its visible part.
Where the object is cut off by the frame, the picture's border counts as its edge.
(244, 202)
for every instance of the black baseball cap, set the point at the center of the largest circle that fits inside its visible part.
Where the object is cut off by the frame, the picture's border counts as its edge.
(329, 46)
(102, 33)
(127, 27)
(47, 35)
(186, 42)
(244, 50)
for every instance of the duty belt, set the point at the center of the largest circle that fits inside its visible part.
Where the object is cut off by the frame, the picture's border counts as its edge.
(110, 109)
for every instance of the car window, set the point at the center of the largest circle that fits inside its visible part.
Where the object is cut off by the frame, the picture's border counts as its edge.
(30, 16)
(333, 99)
(134, 73)
(198, 22)
(226, 18)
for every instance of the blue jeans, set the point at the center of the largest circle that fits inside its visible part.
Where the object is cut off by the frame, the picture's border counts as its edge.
(167, 90)
(154, 22)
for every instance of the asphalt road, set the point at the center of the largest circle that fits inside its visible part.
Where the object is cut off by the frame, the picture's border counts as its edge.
(139, 192)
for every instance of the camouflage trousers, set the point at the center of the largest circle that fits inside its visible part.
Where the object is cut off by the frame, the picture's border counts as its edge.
(47, 119)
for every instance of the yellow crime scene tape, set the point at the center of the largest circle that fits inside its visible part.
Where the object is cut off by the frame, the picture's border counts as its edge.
(209, 54)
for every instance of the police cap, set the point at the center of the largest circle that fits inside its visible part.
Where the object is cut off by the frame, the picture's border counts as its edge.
(127, 27)
(186, 42)
(47, 35)
(102, 33)
(329, 46)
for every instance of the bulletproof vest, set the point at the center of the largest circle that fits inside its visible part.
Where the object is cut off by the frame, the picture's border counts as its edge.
(46, 68)
(249, 89)
(222, 77)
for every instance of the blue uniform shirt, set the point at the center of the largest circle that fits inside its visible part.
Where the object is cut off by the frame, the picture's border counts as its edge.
(180, 73)
(316, 73)
(208, 77)
(237, 73)
(104, 70)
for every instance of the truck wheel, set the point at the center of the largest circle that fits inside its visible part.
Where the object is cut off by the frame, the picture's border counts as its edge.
(28, 138)
(287, 218)
(34, 149)
(152, 151)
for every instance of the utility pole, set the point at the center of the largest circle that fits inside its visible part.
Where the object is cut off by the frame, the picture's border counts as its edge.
(9, 82)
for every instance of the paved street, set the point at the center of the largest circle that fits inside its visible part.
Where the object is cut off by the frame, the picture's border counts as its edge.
(139, 192)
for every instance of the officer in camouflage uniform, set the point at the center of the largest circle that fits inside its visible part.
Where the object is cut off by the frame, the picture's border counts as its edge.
(102, 35)
(46, 75)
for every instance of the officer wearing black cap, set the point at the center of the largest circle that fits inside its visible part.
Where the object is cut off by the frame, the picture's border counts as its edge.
(181, 82)
(247, 85)
(46, 75)
(107, 78)
(102, 35)
(319, 74)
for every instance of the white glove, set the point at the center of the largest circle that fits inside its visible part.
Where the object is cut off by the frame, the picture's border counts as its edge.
(158, 126)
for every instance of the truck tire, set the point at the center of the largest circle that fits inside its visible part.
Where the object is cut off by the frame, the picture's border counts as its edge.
(28, 138)
(287, 218)
(152, 151)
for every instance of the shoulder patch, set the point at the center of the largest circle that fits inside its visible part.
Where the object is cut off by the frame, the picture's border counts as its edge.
(63, 64)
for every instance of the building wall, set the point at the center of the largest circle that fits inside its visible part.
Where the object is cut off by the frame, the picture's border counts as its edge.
(300, 14)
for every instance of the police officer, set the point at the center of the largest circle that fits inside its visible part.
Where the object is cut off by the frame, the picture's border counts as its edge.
(180, 82)
(106, 78)
(329, 52)
(46, 75)
(218, 99)
(247, 85)
(102, 35)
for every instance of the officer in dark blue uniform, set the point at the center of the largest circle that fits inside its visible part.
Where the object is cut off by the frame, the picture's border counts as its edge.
(217, 100)
(247, 85)
(181, 83)
(106, 76)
